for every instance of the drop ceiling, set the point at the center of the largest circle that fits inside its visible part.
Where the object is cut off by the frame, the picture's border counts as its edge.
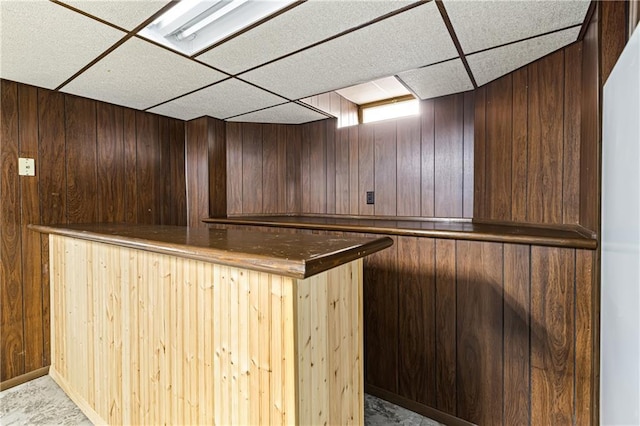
(93, 48)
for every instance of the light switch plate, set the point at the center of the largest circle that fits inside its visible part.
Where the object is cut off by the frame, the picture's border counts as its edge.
(26, 167)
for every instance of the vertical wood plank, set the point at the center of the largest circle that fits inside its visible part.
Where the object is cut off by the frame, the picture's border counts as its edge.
(354, 191)
(519, 143)
(479, 327)
(545, 128)
(516, 334)
(408, 198)
(178, 200)
(552, 331)
(613, 34)
(381, 319)
(317, 167)
(282, 168)
(498, 148)
(32, 284)
(130, 166)
(80, 124)
(571, 147)
(427, 158)
(448, 156)
(586, 327)
(217, 168)
(12, 344)
(110, 163)
(468, 159)
(365, 168)
(446, 351)
(385, 178)
(252, 164)
(479, 155)
(197, 171)
(416, 323)
(305, 183)
(293, 176)
(330, 158)
(342, 184)
(165, 167)
(148, 168)
(271, 168)
(234, 167)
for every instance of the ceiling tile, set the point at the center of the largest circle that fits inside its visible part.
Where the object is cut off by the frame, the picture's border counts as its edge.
(290, 113)
(441, 79)
(372, 91)
(126, 14)
(36, 49)
(405, 41)
(308, 23)
(491, 64)
(484, 24)
(139, 75)
(228, 98)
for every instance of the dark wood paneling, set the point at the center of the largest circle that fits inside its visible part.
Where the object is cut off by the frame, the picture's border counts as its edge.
(110, 162)
(517, 365)
(519, 148)
(381, 319)
(587, 343)
(197, 171)
(342, 184)
(178, 199)
(365, 167)
(217, 168)
(498, 147)
(613, 35)
(293, 170)
(317, 134)
(12, 342)
(252, 168)
(330, 168)
(552, 336)
(165, 161)
(80, 128)
(446, 350)
(234, 167)
(148, 163)
(271, 165)
(427, 158)
(590, 128)
(571, 146)
(32, 283)
(385, 172)
(408, 200)
(354, 170)
(468, 159)
(479, 156)
(545, 127)
(416, 323)
(449, 145)
(130, 167)
(479, 331)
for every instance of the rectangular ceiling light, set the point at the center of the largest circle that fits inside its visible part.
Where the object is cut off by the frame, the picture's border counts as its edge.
(193, 25)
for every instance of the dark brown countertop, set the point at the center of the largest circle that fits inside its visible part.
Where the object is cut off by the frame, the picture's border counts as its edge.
(293, 255)
(459, 229)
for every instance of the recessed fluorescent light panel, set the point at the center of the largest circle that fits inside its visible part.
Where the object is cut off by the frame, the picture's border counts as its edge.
(390, 110)
(193, 25)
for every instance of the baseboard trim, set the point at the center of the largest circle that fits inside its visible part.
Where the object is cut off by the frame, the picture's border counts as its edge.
(432, 413)
(24, 378)
(74, 396)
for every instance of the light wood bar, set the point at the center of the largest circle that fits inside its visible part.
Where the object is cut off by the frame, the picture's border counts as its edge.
(268, 330)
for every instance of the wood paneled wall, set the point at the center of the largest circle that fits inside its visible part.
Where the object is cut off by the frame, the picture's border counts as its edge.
(263, 168)
(343, 109)
(490, 333)
(95, 162)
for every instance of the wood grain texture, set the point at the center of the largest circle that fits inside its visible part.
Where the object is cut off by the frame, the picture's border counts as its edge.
(130, 167)
(165, 164)
(317, 141)
(385, 168)
(613, 35)
(253, 358)
(381, 319)
(586, 335)
(519, 148)
(571, 146)
(12, 315)
(408, 200)
(330, 159)
(468, 157)
(479, 331)
(342, 184)
(416, 319)
(32, 284)
(178, 199)
(552, 335)
(365, 168)
(446, 350)
(148, 162)
(517, 371)
(448, 156)
(80, 130)
(273, 162)
(110, 162)
(252, 164)
(479, 153)
(234, 167)
(217, 164)
(354, 170)
(293, 136)
(498, 147)
(197, 171)
(427, 158)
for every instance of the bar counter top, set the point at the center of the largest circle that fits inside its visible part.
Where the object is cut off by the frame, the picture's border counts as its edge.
(566, 236)
(292, 255)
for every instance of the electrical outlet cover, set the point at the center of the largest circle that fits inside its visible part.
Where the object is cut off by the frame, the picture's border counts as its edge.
(26, 167)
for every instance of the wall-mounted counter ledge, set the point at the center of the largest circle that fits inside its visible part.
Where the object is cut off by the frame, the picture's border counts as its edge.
(460, 230)
(292, 255)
